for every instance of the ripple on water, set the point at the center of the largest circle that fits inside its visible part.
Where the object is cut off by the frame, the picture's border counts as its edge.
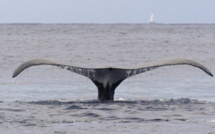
(47, 113)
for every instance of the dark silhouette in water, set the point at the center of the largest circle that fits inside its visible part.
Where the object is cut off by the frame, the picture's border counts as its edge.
(107, 79)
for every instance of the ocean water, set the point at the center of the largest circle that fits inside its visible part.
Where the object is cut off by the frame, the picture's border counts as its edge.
(47, 99)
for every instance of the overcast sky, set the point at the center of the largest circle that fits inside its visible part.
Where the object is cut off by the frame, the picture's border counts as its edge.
(107, 11)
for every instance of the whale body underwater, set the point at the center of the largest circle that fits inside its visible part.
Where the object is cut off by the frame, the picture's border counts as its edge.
(107, 79)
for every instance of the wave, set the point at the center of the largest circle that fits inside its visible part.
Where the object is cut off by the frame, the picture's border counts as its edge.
(143, 102)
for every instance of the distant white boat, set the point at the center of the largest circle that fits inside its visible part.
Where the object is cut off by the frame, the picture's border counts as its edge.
(151, 18)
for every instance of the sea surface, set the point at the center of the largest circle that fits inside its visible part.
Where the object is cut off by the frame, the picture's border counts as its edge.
(46, 99)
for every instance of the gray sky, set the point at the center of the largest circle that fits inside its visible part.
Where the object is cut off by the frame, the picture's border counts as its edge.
(107, 11)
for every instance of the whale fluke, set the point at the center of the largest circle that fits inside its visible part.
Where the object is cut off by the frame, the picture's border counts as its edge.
(107, 79)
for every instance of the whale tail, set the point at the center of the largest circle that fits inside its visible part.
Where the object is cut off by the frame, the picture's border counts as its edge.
(107, 79)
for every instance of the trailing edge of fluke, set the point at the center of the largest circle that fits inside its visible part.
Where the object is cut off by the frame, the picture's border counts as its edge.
(107, 79)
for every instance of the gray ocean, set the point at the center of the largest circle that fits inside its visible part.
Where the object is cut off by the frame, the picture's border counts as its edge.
(49, 100)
